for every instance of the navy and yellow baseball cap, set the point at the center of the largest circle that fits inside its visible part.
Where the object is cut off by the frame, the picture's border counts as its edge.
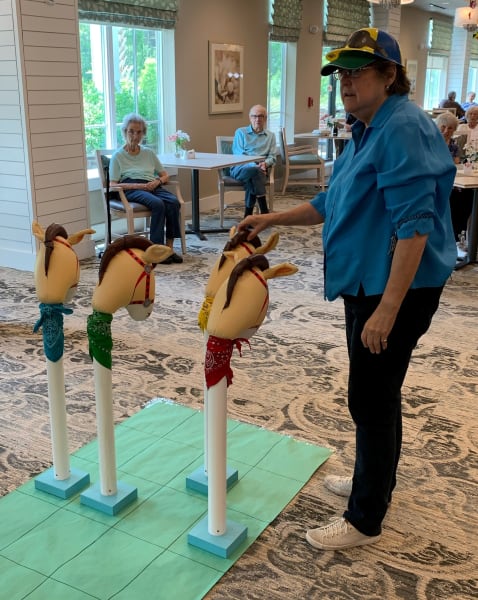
(363, 47)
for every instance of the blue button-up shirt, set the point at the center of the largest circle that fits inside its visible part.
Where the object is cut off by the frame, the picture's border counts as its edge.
(394, 179)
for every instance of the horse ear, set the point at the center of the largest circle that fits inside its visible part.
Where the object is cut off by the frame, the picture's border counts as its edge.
(232, 254)
(75, 238)
(281, 270)
(157, 253)
(38, 231)
(270, 244)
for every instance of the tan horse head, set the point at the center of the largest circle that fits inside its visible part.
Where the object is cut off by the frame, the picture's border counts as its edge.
(126, 277)
(241, 303)
(237, 248)
(57, 269)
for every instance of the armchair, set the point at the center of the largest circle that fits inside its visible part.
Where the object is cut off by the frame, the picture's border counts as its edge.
(116, 205)
(300, 158)
(227, 183)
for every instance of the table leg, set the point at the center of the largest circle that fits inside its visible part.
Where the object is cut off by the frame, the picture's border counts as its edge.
(195, 225)
(472, 235)
(195, 213)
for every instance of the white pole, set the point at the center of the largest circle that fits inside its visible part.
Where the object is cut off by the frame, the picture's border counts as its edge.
(105, 426)
(216, 464)
(206, 337)
(56, 400)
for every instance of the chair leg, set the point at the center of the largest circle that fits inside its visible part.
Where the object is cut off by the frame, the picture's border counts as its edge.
(221, 205)
(183, 232)
(286, 180)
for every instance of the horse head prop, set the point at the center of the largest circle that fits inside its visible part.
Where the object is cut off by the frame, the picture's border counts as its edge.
(126, 277)
(57, 269)
(238, 310)
(237, 248)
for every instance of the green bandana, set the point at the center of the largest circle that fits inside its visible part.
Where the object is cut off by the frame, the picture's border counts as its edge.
(99, 337)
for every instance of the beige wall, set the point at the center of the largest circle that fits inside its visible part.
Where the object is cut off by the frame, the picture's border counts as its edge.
(245, 23)
(224, 21)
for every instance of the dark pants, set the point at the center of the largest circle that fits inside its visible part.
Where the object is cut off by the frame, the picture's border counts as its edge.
(461, 204)
(164, 207)
(254, 181)
(374, 398)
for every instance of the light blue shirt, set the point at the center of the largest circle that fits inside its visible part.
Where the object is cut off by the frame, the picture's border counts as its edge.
(247, 141)
(393, 179)
(145, 165)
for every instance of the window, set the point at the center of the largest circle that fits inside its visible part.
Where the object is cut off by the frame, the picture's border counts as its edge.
(330, 100)
(435, 80)
(473, 74)
(281, 87)
(276, 86)
(126, 70)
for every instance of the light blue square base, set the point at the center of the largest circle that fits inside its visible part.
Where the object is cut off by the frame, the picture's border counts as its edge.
(198, 481)
(111, 505)
(220, 545)
(64, 488)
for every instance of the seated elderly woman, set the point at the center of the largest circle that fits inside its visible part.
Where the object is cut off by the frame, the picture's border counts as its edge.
(469, 128)
(447, 124)
(139, 172)
(461, 200)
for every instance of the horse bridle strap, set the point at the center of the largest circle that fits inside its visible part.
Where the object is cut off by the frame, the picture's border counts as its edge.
(146, 273)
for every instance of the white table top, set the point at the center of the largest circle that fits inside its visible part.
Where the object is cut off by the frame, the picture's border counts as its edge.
(342, 135)
(206, 161)
(465, 181)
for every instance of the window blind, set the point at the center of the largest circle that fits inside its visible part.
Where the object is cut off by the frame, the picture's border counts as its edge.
(342, 18)
(286, 20)
(151, 14)
(442, 33)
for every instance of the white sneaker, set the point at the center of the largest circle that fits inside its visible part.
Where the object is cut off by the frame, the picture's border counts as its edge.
(342, 486)
(337, 535)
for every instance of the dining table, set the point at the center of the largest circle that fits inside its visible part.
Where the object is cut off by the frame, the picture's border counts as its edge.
(203, 161)
(334, 143)
(469, 182)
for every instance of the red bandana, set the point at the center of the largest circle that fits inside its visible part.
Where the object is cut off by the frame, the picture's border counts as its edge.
(218, 359)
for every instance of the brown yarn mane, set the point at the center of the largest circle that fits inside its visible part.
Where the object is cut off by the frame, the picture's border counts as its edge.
(123, 243)
(52, 231)
(258, 261)
(239, 238)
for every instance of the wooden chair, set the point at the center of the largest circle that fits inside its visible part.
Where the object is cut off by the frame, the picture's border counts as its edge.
(439, 111)
(117, 205)
(227, 183)
(300, 158)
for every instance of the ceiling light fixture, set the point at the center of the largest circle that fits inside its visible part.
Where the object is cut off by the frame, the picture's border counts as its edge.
(467, 17)
(390, 3)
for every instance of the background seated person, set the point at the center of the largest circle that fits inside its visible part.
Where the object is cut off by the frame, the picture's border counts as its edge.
(139, 172)
(470, 101)
(469, 128)
(254, 139)
(450, 102)
(447, 124)
(461, 200)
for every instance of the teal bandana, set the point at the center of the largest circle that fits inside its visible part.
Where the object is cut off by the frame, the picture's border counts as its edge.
(51, 321)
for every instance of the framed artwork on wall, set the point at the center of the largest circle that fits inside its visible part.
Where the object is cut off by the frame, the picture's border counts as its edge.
(226, 80)
(411, 69)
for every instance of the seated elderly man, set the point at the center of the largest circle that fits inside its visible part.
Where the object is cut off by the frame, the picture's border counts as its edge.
(450, 102)
(254, 140)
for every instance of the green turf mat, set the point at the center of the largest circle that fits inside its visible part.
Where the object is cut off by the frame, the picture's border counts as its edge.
(56, 549)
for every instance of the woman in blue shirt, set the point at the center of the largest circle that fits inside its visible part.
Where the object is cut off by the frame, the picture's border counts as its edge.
(389, 250)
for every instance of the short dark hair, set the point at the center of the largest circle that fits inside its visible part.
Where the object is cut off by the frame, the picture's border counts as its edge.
(401, 85)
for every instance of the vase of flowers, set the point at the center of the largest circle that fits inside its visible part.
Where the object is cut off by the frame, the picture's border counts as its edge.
(471, 154)
(180, 139)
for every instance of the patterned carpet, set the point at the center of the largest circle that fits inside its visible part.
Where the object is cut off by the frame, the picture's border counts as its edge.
(293, 380)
